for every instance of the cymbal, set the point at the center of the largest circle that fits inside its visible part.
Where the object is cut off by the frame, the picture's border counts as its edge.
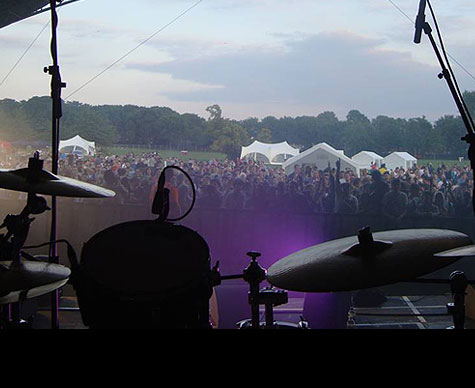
(466, 251)
(342, 265)
(29, 275)
(17, 296)
(48, 183)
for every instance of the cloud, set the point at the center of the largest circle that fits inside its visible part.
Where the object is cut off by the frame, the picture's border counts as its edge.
(342, 71)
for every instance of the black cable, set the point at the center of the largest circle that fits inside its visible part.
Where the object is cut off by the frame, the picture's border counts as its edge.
(71, 252)
(48, 243)
(412, 21)
(192, 188)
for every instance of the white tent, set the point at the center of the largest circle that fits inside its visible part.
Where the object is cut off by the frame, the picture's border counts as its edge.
(399, 159)
(273, 153)
(320, 155)
(77, 145)
(367, 158)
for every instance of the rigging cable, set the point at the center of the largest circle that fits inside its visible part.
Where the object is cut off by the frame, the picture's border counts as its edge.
(451, 57)
(135, 48)
(23, 55)
(467, 111)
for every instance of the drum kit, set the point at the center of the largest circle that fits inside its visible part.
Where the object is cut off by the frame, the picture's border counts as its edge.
(157, 274)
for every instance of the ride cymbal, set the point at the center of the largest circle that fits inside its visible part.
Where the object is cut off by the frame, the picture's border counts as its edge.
(346, 265)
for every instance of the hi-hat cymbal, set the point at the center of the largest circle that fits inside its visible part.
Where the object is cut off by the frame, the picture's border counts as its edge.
(341, 265)
(48, 183)
(28, 275)
(466, 251)
(18, 296)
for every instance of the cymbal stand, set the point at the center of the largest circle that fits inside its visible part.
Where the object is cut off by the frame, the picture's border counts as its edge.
(254, 274)
(18, 227)
(458, 285)
(56, 86)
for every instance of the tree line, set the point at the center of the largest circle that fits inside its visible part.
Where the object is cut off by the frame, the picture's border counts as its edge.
(30, 121)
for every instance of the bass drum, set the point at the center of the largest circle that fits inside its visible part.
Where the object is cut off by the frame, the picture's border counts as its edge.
(144, 274)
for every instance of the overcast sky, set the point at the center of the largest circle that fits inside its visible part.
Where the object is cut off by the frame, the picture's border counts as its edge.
(252, 57)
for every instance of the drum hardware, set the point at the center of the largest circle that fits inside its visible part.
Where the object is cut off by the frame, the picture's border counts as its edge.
(270, 297)
(458, 284)
(24, 276)
(254, 274)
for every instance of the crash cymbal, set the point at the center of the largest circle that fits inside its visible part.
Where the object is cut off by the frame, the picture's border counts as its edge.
(28, 275)
(346, 264)
(50, 184)
(466, 251)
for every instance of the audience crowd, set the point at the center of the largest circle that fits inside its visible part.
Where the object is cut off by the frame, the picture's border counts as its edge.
(432, 190)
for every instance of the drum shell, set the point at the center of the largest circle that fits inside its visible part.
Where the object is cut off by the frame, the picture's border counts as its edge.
(144, 274)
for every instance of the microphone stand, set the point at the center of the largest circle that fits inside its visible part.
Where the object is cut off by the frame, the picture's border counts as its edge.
(56, 86)
(470, 137)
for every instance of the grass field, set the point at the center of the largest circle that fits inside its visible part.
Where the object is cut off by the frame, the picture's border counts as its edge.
(196, 155)
(448, 163)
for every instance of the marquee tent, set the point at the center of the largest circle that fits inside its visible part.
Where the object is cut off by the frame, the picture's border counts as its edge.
(273, 153)
(77, 145)
(320, 155)
(399, 159)
(367, 158)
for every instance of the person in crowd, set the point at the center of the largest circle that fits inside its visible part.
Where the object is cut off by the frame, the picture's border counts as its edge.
(441, 203)
(394, 202)
(413, 200)
(236, 198)
(261, 186)
(295, 201)
(426, 207)
(377, 190)
(345, 201)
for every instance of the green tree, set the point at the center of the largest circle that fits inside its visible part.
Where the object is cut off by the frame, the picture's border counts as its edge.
(215, 112)
(265, 135)
(450, 130)
(357, 133)
(227, 135)
(388, 134)
(421, 139)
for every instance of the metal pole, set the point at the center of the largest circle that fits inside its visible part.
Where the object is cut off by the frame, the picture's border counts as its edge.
(56, 86)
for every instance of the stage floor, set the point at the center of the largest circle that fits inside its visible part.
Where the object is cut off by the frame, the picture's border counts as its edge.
(427, 312)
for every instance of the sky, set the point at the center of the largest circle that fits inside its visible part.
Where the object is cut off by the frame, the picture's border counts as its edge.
(254, 58)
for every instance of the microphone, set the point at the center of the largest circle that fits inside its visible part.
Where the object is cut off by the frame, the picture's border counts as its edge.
(161, 204)
(420, 21)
